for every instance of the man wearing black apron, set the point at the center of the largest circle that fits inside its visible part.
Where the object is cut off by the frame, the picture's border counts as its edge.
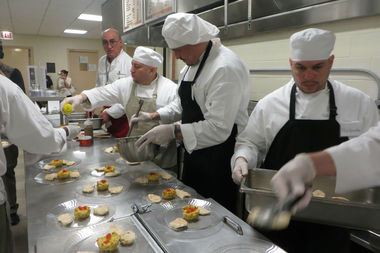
(214, 94)
(309, 113)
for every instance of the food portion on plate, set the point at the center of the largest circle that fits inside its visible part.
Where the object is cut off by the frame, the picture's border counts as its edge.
(57, 163)
(107, 170)
(168, 194)
(82, 213)
(153, 178)
(111, 240)
(112, 150)
(62, 175)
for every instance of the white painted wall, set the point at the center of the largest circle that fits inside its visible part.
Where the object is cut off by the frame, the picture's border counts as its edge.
(53, 49)
(357, 46)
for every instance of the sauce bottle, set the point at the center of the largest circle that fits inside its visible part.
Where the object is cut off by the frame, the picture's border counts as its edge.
(89, 129)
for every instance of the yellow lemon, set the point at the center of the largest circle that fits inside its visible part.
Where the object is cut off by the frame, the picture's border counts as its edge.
(67, 109)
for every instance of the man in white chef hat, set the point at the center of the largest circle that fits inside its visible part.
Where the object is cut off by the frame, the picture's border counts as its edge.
(22, 124)
(311, 112)
(214, 94)
(144, 84)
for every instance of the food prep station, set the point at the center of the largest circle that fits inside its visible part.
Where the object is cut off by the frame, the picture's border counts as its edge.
(358, 211)
(221, 231)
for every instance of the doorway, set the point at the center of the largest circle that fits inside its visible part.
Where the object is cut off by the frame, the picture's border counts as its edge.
(20, 58)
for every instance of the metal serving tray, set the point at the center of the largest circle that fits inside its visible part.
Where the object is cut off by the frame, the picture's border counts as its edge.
(361, 210)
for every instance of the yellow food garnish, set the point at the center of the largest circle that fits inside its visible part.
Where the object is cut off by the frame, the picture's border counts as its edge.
(67, 109)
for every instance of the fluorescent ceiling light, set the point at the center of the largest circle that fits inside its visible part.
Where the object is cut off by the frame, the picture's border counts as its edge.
(90, 17)
(75, 31)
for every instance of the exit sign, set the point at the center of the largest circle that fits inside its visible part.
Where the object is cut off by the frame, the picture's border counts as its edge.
(5, 35)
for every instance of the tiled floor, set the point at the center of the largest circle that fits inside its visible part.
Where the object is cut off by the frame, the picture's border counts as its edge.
(20, 234)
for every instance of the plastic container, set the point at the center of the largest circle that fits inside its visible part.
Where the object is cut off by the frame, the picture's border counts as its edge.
(89, 129)
(85, 140)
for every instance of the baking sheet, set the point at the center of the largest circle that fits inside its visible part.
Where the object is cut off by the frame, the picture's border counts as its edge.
(68, 207)
(85, 239)
(361, 210)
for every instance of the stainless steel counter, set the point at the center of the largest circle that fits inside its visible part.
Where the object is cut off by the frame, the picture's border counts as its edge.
(45, 200)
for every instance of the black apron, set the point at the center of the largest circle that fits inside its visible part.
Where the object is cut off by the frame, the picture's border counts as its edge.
(207, 170)
(303, 135)
(295, 137)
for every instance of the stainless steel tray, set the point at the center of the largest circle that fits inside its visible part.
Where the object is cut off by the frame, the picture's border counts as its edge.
(361, 210)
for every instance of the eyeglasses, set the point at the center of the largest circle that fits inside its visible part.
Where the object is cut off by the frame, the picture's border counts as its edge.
(111, 42)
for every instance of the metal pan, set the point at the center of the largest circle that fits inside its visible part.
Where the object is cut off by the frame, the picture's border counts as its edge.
(361, 210)
(96, 122)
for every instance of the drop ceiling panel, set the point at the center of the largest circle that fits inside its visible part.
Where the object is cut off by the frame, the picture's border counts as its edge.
(49, 17)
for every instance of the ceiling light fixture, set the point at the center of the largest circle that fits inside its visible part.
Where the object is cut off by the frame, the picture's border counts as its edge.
(75, 31)
(90, 17)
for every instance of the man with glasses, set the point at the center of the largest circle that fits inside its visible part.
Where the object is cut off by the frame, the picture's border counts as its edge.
(115, 64)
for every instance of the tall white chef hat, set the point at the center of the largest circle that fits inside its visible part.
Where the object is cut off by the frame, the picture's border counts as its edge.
(147, 56)
(311, 44)
(182, 29)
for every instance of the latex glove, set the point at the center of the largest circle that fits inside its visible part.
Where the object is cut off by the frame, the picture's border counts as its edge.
(240, 170)
(291, 179)
(73, 131)
(75, 101)
(143, 116)
(161, 135)
(104, 115)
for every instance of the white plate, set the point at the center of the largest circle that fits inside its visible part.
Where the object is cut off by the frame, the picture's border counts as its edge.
(40, 178)
(85, 239)
(204, 226)
(40, 164)
(68, 207)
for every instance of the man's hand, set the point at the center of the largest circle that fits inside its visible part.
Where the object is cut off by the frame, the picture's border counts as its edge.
(292, 178)
(74, 101)
(143, 116)
(240, 170)
(161, 135)
(104, 115)
(72, 131)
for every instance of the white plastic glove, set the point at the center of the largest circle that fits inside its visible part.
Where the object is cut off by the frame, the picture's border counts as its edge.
(292, 178)
(240, 170)
(73, 131)
(74, 101)
(143, 116)
(161, 135)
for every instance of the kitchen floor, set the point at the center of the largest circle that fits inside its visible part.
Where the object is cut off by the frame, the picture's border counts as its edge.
(20, 234)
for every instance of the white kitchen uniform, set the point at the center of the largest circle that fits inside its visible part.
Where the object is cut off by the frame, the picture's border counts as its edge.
(108, 73)
(357, 161)
(120, 92)
(222, 92)
(356, 114)
(63, 91)
(23, 125)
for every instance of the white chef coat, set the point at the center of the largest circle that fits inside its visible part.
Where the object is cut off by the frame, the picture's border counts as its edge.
(120, 91)
(119, 68)
(61, 86)
(357, 112)
(222, 92)
(357, 161)
(23, 125)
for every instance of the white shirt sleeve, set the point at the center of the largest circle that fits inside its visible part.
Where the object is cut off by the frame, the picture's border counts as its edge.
(25, 126)
(116, 111)
(115, 93)
(357, 161)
